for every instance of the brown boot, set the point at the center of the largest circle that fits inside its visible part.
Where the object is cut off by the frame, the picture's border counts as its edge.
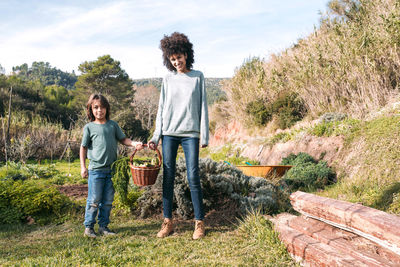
(199, 230)
(167, 228)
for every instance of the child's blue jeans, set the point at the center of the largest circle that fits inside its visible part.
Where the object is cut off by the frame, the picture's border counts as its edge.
(190, 147)
(100, 198)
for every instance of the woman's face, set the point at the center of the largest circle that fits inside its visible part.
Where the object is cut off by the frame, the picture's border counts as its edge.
(179, 62)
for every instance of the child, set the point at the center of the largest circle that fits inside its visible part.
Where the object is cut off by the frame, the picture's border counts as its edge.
(182, 118)
(100, 144)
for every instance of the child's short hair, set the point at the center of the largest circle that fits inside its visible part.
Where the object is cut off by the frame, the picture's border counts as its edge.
(103, 102)
(177, 43)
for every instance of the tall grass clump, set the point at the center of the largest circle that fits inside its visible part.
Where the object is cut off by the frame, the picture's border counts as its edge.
(349, 64)
(261, 234)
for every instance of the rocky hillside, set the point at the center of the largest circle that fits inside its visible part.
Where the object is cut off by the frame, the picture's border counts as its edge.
(364, 153)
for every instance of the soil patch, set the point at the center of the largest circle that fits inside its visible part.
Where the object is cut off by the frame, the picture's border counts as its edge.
(74, 191)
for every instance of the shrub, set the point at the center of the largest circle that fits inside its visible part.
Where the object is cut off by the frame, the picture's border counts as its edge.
(30, 198)
(131, 126)
(299, 159)
(258, 111)
(221, 183)
(288, 108)
(307, 174)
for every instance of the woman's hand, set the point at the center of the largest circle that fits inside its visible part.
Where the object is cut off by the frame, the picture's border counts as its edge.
(152, 145)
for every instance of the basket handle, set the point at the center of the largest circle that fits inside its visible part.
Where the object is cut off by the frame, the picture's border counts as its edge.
(145, 145)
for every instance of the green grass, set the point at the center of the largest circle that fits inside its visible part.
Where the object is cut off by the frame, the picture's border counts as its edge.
(252, 242)
(369, 165)
(66, 167)
(57, 172)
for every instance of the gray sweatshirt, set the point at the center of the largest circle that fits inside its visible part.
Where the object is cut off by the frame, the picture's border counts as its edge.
(182, 109)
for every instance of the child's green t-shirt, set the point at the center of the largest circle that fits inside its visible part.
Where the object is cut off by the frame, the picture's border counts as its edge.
(101, 141)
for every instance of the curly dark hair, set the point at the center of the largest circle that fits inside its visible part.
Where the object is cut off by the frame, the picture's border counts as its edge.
(177, 43)
(103, 102)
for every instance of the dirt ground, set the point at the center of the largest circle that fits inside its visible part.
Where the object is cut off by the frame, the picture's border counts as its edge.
(75, 191)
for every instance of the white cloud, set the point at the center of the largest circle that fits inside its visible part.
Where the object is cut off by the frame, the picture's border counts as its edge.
(130, 32)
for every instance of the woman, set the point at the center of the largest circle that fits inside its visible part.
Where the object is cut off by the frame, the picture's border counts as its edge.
(182, 119)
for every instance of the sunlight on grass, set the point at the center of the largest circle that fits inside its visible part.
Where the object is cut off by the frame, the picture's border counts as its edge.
(136, 244)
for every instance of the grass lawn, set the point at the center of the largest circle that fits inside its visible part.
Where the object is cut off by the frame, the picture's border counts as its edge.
(247, 243)
(250, 242)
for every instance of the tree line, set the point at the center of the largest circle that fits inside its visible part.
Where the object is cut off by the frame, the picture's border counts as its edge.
(41, 92)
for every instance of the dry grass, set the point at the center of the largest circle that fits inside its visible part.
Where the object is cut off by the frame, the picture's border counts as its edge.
(349, 65)
(35, 137)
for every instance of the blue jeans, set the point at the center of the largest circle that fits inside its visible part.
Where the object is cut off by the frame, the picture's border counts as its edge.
(190, 147)
(100, 198)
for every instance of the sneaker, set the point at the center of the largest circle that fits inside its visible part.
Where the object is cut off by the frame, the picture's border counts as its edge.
(106, 231)
(167, 228)
(89, 232)
(199, 230)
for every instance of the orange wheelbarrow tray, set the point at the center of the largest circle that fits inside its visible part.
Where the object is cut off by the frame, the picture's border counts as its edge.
(264, 170)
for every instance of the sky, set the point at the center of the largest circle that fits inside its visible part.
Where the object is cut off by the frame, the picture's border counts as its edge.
(224, 33)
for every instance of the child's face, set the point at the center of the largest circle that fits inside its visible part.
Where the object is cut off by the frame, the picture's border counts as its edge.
(179, 62)
(98, 110)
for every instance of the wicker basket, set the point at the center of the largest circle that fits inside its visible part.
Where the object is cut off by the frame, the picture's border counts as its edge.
(143, 176)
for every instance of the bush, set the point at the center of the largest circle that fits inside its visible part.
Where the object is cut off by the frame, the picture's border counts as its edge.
(30, 198)
(222, 186)
(298, 159)
(258, 111)
(307, 174)
(286, 109)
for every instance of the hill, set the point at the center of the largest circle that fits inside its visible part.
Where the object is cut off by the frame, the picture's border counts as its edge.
(350, 64)
(334, 95)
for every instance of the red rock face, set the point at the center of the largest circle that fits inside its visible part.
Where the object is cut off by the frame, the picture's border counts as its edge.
(235, 133)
